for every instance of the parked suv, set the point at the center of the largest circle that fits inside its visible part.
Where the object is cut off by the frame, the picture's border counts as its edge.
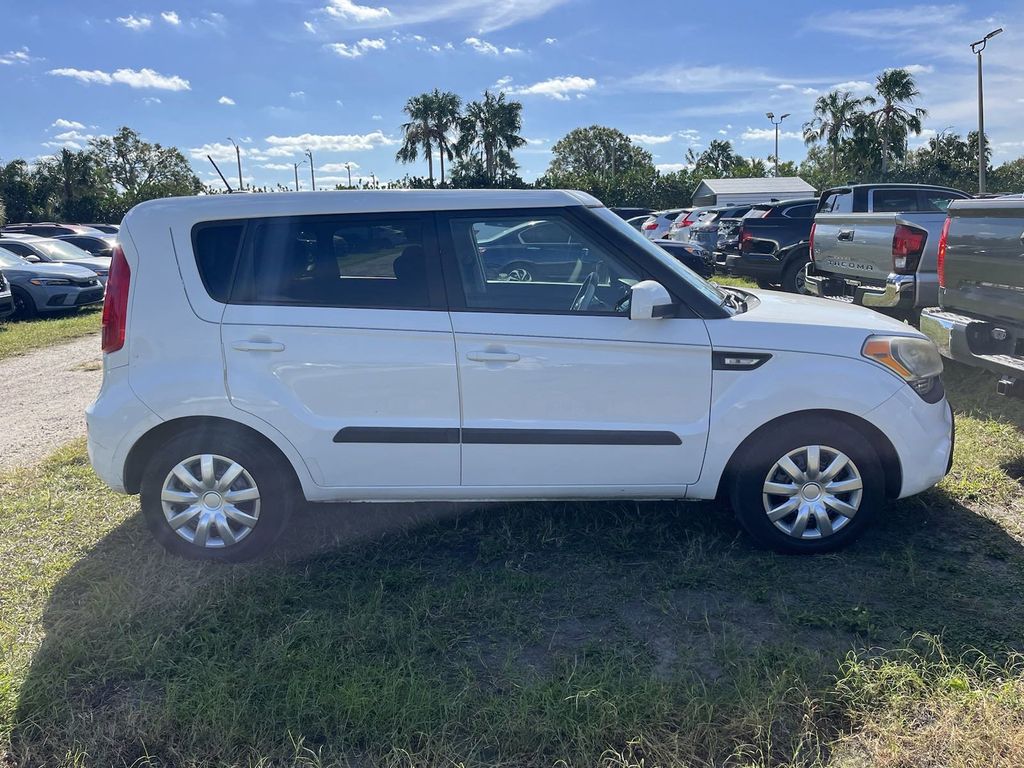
(772, 244)
(354, 346)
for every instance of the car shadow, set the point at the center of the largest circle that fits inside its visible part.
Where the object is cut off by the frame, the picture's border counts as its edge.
(373, 627)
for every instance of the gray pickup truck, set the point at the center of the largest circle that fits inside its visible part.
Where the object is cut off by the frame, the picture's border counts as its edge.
(980, 317)
(876, 244)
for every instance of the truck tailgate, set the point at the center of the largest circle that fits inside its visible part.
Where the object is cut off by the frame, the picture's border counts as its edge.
(855, 245)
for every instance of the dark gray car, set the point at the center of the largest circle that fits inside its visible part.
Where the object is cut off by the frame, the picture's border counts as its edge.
(44, 288)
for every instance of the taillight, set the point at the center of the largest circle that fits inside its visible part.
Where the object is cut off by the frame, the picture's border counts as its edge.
(688, 221)
(907, 247)
(651, 224)
(942, 252)
(745, 237)
(810, 246)
(115, 303)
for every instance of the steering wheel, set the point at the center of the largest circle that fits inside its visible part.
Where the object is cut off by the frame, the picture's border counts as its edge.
(585, 297)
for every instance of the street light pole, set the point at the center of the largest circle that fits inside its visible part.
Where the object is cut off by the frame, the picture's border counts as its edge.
(976, 48)
(348, 167)
(238, 158)
(312, 176)
(296, 166)
(771, 116)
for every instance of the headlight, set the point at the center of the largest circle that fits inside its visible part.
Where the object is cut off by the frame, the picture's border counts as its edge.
(916, 361)
(49, 281)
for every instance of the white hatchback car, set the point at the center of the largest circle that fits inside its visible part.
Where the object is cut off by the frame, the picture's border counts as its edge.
(372, 346)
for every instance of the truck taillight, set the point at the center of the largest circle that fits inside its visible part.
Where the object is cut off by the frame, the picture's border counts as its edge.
(115, 303)
(810, 245)
(907, 247)
(943, 240)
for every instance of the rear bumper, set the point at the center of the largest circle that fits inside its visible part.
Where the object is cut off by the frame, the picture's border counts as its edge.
(899, 293)
(973, 341)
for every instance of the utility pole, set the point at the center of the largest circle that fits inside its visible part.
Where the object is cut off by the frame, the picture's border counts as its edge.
(312, 176)
(238, 158)
(771, 116)
(976, 48)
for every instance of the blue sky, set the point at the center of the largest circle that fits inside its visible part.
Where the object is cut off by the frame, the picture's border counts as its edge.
(333, 75)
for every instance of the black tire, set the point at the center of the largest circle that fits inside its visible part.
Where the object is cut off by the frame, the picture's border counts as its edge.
(793, 275)
(24, 307)
(278, 492)
(759, 456)
(763, 282)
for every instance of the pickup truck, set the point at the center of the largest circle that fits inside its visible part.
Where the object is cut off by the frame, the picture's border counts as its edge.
(772, 244)
(980, 317)
(876, 245)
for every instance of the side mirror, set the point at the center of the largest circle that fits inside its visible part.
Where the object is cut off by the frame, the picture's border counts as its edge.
(31, 258)
(648, 300)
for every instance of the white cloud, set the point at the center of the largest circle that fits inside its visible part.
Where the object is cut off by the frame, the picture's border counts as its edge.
(810, 91)
(297, 95)
(60, 122)
(919, 69)
(136, 24)
(329, 143)
(722, 132)
(19, 56)
(278, 166)
(855, 86)
(376, 117)
(227, 101)
(646, 138)
(481, 46)
(785, 87)
(347, 9)
(171, 18)
(768, 134)
(310, 27)
(151, 100)
(217, 151)
(356, 50)
(560, 88)
(671, 167)
(536, 142)
(337, 167)
(550, 40)
(685, 79)
(134, 78)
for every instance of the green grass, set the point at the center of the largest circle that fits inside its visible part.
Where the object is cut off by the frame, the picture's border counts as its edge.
(22, 336)
(595, 634)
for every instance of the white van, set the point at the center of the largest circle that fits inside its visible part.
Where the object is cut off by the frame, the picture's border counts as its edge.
(386, 346)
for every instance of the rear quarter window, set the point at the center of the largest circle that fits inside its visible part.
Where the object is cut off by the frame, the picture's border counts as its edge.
(840, 201)
(216, 249)
(894, 201)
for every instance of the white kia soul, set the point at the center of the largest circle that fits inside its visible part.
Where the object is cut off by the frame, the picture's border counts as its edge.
(485, 345)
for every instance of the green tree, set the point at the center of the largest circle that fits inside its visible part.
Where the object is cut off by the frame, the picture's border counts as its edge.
(1008, 178)
(17, 190)
(143, 171)
(446, 112)
(490, 130)
(80, 185)
(835, 115)
(947, 159)
(897, 118)
(417, 135)
(718, 161)
(604, 162)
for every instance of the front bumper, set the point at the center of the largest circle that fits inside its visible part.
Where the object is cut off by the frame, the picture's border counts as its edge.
(60, 298)
(973, 341)
(898, 294)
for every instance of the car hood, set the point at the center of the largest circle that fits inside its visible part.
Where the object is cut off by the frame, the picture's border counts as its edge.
(93, 264)
(49, 270)
(793, 323)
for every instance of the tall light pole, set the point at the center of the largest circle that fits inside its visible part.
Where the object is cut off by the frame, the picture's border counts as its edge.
(771, 116)
(238, 157)
(348, 167)
(296, 167)
(976, 48)
(312, 176)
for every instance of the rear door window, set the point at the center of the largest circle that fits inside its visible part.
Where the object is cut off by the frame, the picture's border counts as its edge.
(216, 249)
(839, 201)
(937, 201)
(894, 201)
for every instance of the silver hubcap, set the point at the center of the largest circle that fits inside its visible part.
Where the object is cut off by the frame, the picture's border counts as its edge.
(519, 275)
(812, 492)
(210, 501)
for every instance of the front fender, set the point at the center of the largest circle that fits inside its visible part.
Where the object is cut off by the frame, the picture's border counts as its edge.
(790, 382)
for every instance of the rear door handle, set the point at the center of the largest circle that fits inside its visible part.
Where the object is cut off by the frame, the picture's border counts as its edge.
(493, 357)
(258, 346)
(845, 234)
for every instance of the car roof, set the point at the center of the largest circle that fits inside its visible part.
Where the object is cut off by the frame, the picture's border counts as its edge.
(246, 205)
(20, 236)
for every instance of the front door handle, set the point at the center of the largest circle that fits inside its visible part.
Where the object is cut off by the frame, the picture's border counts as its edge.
(845, 234)
(258, 346)
(493, 357)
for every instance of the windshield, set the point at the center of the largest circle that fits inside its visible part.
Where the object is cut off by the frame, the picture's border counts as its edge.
(58, 250)
(684, 272)
(8, 259)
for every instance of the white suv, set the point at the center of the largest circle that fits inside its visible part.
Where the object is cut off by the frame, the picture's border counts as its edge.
(384, 346)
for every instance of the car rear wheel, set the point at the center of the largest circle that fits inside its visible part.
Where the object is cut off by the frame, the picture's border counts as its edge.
(794, 279)
(811, 487)
(215, 496)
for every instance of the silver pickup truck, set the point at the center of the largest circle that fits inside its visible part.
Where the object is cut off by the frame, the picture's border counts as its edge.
(876, 245)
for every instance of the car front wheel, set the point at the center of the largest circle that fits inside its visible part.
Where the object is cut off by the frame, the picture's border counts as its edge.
(810, 488)
(215, 497)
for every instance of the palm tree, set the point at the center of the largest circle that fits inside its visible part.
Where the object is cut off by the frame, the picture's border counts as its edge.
(491, 128)
(445, 110)
(896, 117)
(835, 114)
(417, 134)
